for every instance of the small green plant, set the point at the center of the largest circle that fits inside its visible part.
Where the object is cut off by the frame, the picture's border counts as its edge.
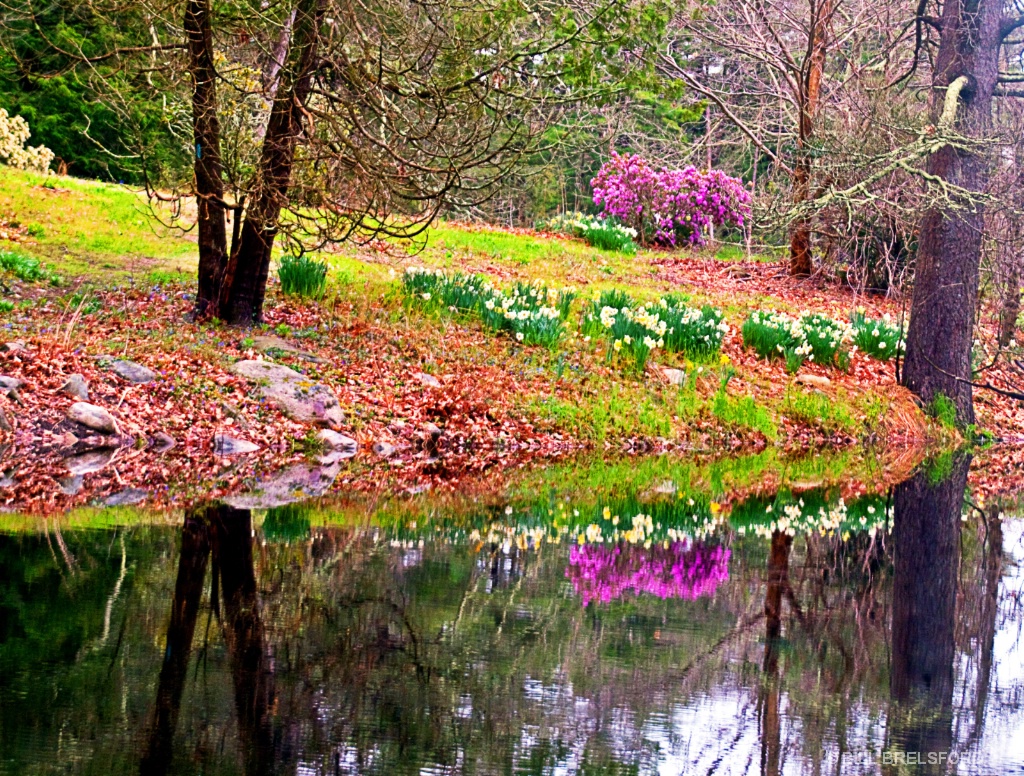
(303, 276)
(283, 330)
(23, 267)
(878, 337)
(6, 305)
(943, 410)
(36, 230)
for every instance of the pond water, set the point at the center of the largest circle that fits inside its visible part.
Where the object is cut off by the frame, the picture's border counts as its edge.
(665, 629)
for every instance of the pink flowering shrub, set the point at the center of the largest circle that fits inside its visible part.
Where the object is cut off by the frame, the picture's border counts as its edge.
(604, 572)
(668, 206)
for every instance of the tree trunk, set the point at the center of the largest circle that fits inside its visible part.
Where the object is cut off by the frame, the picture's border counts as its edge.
(209, 181)
(800, 258)
(245, 278)
(945, 296)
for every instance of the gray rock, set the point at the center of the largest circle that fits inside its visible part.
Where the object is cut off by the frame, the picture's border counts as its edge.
(229, 445)
(384, 450)
(76, 387)
(10, 383)
(14, 347)
(5, 424)
(296, 483)
(674, 376)
(126, 497)
(297, 395)
(7, 479)
(91, 416)
(87, 463)
(69, 486)
(816, 381)
(266, 343)
(428, 380)
(161, 442)
(132, 372)
(338, 442)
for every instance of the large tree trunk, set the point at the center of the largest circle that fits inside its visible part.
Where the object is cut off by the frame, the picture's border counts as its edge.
(209, 181)
(245, 279)
(800, 258)
(949, 248)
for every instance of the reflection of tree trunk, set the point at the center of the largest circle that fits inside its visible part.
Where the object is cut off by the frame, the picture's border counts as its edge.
(209, 182)
(243, 631)
(927, 558)
(245, 279)
(800, 259)
(989, 610)
(771, 694)
(188, 589)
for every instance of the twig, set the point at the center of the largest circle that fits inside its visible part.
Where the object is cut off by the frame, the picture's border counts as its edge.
(986, 386)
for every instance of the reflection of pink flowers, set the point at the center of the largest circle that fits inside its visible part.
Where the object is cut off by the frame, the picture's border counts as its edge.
(602, 572)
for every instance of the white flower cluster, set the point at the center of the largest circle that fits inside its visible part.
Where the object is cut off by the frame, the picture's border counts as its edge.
(579, 224)
(14, 132)
(652, 334)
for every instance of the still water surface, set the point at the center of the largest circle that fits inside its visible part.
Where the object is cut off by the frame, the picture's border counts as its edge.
(659, 633)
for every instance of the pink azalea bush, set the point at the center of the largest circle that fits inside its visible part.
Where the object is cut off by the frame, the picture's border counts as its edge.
(604, 572)
(669, 206)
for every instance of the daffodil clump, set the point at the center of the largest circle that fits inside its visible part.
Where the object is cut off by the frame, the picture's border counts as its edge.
(812, 337)
(532, 313)
(696, 332)
(880, 338)
(635, 330)
(605, 233)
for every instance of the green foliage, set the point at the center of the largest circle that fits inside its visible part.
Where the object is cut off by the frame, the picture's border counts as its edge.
(943, 410)
(25, 267)
(813, 337)
(289, 523)
(819, 410)
(878, 337)
(744, 412)
(303, 276)
(695, 332)
(6, 305)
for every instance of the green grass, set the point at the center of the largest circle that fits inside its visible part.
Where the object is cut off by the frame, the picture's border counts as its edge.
(816, 409)
(943, 410)
(87, 228)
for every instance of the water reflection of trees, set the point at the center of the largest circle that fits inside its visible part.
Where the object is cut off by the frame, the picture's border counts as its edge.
(337, 650)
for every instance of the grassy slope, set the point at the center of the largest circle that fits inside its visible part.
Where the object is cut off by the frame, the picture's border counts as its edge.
(90, 229)
(104, 233)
